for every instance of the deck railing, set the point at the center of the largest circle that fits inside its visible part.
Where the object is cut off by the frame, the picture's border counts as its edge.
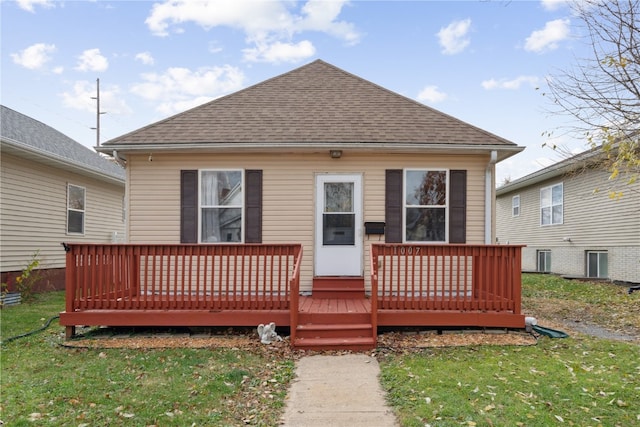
(181, 277)
(483, 278)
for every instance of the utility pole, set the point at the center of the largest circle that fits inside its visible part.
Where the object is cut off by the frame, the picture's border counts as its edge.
(98, 112)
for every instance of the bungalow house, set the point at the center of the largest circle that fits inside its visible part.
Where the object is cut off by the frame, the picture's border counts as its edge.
(53, 189)
(568, 226)
(313, 190)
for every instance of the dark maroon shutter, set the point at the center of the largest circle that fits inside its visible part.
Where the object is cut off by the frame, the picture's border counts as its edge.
(393, 206)
(189, 206)
(458, 206)
(253, 206)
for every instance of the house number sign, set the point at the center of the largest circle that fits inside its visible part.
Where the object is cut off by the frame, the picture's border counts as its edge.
(406, 250)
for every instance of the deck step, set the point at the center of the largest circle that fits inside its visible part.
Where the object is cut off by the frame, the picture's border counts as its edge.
(338, 292)
(338, 287)
(346, 343)
(314, 330)
(333, 318)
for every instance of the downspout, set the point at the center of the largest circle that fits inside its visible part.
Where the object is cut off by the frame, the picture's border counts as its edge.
(488, 197)
(120, 161)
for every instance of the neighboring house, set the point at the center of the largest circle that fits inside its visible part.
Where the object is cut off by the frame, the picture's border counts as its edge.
(332, 163)
(53, 190)
(571, 227)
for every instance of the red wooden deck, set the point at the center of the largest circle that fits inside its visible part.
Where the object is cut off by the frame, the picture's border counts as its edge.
(245, 285)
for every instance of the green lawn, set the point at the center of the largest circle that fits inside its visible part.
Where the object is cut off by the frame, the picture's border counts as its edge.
(579, 381)
(44, 383)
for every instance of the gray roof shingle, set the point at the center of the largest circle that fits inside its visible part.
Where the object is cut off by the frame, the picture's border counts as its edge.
(314, 104)
(33, 136)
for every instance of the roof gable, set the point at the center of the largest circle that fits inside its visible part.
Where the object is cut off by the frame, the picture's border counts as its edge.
(315, 104)
(32, 136)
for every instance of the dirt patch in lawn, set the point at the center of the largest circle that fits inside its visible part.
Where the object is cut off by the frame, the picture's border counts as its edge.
(618, 323)
(247, 339)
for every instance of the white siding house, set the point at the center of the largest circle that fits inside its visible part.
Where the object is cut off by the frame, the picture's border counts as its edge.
(570, 228)
(52, 190)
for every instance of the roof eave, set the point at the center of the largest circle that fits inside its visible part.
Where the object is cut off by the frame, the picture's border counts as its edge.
(504, 151)
(558, 169)
(28, 151)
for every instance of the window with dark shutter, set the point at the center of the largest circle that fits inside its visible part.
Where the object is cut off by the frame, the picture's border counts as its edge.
(458, 206)
(189, 206)
(190, 203)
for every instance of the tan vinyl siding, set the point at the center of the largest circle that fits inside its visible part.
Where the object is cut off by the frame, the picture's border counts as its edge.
(288, 192)
(34, 212)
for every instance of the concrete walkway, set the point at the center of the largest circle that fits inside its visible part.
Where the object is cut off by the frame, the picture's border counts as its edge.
(336, 391)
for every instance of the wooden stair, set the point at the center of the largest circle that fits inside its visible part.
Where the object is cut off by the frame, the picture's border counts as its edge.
(338, 287)
(336, 317)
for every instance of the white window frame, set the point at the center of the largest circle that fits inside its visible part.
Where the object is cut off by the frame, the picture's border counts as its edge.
(241, 206)
(600, 274)
(547, 260)
(548, 204)
(445, 207)
(70, 209)
(515, 206)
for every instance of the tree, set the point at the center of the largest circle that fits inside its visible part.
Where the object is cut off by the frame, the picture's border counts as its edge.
(602, 92)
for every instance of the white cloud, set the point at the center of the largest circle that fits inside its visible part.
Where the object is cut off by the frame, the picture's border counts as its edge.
(553, 4)
(80, 98)
(269, 26)
(512, 84)
(453, 38)
(215, 47)
(322, 15)
(92, 60)
(145, 58)
(180, 88)
(28, 5)
(548, 38)
(432, 95)
(279, 52)
(35, 56)
(58, 70)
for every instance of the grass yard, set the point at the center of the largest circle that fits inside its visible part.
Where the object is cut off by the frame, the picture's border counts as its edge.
(46, 384)
(579, 381)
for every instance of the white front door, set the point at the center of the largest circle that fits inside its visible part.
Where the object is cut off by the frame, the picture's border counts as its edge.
(338, 242)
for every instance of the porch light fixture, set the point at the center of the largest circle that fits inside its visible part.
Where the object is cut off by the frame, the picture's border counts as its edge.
(335, 154)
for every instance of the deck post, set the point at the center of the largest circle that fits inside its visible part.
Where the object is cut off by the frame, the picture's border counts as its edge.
(294, 295)
(70, 288)
(374, 293)
(69, 332)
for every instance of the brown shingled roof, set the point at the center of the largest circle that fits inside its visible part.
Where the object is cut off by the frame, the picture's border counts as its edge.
(315, 104)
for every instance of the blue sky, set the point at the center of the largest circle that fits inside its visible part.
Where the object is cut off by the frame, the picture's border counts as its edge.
(484, 62)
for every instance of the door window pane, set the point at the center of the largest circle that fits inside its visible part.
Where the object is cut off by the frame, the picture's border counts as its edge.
(338, 197)
(338, 229)
(338, 219)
